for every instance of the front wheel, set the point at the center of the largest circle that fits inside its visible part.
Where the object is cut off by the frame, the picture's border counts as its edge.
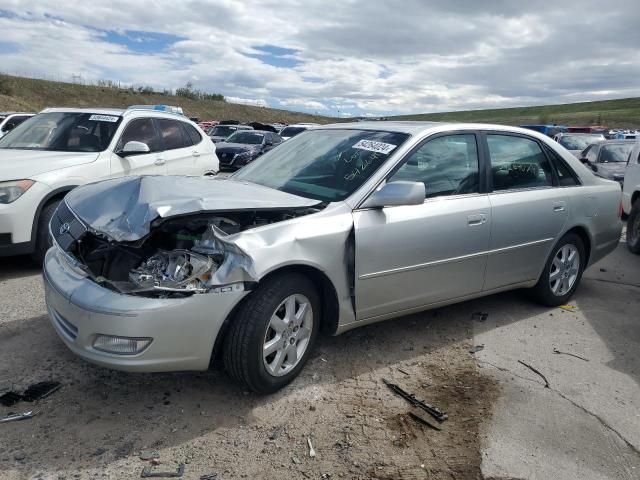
(562, 272)
(273, 333)
(43, 240)
(633, 228)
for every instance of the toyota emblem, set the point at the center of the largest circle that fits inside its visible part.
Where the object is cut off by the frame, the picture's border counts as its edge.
(64, 228)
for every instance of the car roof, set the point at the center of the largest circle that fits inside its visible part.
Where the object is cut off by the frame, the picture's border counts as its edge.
(120, 112)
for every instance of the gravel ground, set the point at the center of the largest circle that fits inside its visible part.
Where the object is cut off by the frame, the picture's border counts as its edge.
(101, 421)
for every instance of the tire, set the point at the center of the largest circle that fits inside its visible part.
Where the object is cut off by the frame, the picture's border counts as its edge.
(43, 242)
(633, 228)
(252, 329)
(551, 293)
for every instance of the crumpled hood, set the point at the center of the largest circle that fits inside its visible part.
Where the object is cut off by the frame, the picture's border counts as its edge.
(123, 208)
(17, 164)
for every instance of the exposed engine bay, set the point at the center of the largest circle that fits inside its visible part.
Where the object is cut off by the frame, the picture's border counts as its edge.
(180, 256)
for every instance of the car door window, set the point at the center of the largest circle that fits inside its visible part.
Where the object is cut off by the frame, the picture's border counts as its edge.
(140, 130)
(193, 134)
(172, 133)
(446, 165)
(566, 176)
(518, 162)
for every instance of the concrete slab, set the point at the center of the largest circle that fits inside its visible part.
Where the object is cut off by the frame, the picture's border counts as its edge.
(587, 424)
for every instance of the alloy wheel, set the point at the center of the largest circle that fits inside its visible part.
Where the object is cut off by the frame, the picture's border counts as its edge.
(564, 270)
(288, 334)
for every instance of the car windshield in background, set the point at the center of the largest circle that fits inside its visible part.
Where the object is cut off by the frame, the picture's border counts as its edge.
(291, 131)
(578, 142)
(617, 152)
(63, 132)
(327, 165)
(223, 131)
(246, 137)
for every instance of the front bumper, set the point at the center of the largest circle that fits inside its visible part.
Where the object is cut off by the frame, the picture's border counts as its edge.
(184, 330)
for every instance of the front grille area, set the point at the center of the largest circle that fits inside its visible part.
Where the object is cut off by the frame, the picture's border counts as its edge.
(67, 328)
(65, 227)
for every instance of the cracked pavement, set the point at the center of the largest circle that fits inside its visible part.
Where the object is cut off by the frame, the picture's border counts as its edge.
(587, 424)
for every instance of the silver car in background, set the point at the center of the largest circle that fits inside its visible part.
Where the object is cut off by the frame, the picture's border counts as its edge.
(341, 226)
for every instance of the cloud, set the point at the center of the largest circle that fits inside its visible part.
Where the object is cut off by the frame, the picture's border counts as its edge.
(356, 57)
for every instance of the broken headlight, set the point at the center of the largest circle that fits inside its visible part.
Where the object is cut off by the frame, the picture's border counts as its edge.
(175, 270)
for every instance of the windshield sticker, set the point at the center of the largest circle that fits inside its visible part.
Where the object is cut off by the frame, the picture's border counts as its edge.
(104, 118)
(373, 146)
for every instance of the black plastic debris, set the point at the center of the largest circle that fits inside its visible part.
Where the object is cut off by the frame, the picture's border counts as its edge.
(147, 472)
(10, 398)
(34, 392)
(411, 398)
(40, 390)
(476, 349)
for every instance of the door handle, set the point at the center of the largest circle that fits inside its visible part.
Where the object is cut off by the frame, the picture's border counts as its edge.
(159, 161)
(478, 219)
(196, 153)
(558, 207)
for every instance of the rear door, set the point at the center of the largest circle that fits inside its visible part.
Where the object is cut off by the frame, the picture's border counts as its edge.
(528, 211)
(411, 256)
(139, 130)
(178, 151)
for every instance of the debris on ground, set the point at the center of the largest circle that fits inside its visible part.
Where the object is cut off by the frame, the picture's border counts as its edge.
(405, 372)
(480, 316)
(147, 472)
(476, 349)
(276, 432)
(312, 452)
(149, 455)
(34, 392)
(421, 420)
(546, 382)
(209, 476)
(555, 350)
(411, 398)
(568, 307)
(16, 417)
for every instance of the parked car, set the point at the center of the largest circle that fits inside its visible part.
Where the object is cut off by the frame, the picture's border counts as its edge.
(10, 120)
(343, 226)
(608, 158)
(292, 130)
(631, 198)
(221, 132)
(244, 147)
(60, 148)
(548, 130)
(577, 142)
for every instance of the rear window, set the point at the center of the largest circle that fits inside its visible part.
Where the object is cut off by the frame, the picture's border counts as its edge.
(194, 135)
(172, 134)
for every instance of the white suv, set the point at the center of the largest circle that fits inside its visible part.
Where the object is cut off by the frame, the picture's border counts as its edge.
(631, 198)
(48, 155)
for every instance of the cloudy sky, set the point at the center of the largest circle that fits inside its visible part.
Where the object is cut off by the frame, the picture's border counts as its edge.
(337, 57)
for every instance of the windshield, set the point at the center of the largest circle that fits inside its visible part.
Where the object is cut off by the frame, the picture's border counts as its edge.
(578, 142)
(617, 152)
(222, 131)
(327, 165)
(63, 132)
(291, 131)
(246, 137)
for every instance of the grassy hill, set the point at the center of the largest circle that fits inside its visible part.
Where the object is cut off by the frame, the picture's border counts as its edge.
(28, 94)
(613, 113)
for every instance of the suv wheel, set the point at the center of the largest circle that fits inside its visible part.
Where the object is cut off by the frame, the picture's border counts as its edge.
(633, 228)
(562, 272)
(273, 333)
(43, 242)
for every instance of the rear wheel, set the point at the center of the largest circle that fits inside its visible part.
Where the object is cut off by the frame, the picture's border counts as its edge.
(43, 242)
(273, 333)
(562, 272)
(633, 228)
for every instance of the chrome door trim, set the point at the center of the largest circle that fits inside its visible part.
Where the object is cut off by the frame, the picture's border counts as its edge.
(450, 260)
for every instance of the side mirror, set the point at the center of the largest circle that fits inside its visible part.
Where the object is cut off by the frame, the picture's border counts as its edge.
(268, 143)
(8, 127)
(396, 194)
(584, 160)
(133, 148)
(594, 167)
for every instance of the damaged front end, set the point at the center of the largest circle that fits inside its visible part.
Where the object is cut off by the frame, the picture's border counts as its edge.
(186, 254)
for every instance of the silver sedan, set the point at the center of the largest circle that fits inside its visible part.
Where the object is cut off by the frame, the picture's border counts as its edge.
(341, 226)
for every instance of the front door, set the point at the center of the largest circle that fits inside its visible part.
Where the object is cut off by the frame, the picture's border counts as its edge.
(411, 256)
(152, 163)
